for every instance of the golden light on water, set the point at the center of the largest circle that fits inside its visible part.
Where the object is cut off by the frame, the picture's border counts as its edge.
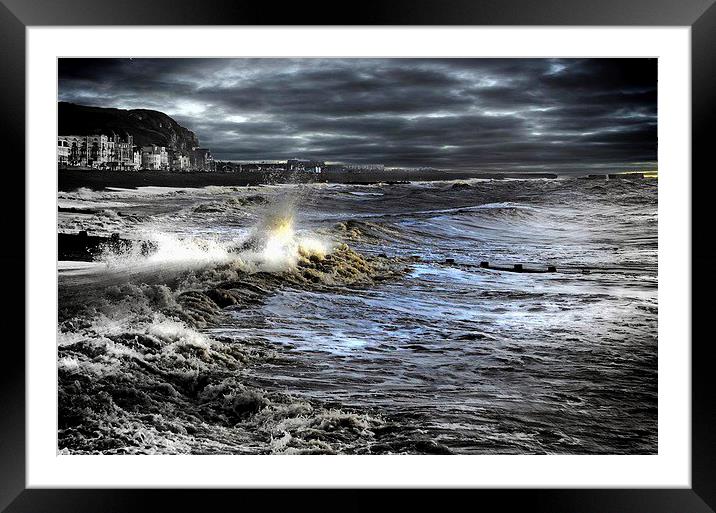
(283, 245)
(281, 227)
(280, 235)
(309, 246)
(647, 174)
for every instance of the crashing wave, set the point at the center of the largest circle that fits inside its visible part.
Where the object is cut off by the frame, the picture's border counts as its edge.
(156, 385)
(136, 374)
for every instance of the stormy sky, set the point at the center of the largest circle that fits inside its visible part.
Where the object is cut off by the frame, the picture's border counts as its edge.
(481, 114)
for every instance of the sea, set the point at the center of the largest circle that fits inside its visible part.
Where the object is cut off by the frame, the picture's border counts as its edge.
(362, 319)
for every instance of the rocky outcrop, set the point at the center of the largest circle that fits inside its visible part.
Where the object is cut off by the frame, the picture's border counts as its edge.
(146, 126)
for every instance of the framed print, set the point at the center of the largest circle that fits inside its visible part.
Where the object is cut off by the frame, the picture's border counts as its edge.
(428, 247)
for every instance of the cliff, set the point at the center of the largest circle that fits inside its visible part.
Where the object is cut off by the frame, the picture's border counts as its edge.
(147, 126)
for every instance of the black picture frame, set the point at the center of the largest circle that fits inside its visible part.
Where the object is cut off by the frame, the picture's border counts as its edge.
(17, 15)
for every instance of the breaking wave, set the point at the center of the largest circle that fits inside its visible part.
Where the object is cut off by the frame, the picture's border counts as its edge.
(358, 320)
(156, 385)
(139, 374)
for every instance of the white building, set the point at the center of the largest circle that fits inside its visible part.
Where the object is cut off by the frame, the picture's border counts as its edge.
(178, 161)
(73, 148)
(155, 157)
(63, 151)
(99, 151)
(123, 154)
(111, 152)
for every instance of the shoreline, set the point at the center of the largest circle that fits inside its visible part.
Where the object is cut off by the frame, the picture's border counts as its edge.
(73, 179)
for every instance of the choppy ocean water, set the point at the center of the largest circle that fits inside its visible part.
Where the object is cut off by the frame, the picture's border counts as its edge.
(324, 318)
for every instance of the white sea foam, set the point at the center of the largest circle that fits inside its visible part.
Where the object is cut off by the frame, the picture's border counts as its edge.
(141, 368)
(274, 244)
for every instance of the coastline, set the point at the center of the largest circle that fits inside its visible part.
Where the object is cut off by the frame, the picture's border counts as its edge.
(72, 179)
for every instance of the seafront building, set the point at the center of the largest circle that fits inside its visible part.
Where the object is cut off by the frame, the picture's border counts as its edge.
(123, 154)
(155, 158)
(305, 166)
(110, 152)
(96, 151)
(178, 161)
(113, 153)
(63, 151)
(202, 160)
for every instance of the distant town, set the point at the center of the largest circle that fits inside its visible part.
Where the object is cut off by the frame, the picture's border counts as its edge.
(125, 141)
(112, 153)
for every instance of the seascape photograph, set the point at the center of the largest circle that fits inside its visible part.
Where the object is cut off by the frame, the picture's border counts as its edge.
(357, 256)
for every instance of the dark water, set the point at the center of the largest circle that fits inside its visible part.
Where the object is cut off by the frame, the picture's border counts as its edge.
(324, 318)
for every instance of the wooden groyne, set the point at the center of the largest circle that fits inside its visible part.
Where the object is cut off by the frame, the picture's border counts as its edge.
(517, 268)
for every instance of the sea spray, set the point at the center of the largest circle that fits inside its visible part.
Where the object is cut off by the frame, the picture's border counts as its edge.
(168, 249)
(272, 245)
(478, 361)
(139, 371)
(276, 246)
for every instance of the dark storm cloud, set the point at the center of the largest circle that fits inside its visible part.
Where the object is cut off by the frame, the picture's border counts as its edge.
(449, 113)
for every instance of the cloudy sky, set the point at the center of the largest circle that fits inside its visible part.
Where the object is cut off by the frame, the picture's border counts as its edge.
(483, 114)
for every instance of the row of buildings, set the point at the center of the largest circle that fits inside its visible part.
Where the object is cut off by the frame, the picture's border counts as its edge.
(110, 152)
(113, 153)
(296, 165)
